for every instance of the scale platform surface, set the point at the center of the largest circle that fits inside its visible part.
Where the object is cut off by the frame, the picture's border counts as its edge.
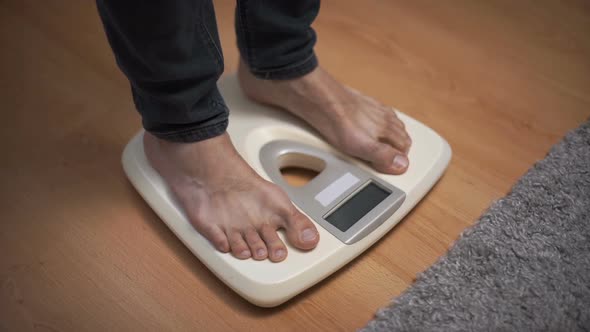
(259, 133)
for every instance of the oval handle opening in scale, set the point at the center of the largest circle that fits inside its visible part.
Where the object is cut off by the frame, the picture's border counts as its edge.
(299, 169)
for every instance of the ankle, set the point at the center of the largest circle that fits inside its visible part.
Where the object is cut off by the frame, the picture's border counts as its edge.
(203, 159)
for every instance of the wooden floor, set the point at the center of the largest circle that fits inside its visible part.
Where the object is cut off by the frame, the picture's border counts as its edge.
(502, 81)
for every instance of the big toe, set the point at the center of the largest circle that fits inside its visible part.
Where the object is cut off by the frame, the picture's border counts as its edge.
(386, 159)
(301, 232)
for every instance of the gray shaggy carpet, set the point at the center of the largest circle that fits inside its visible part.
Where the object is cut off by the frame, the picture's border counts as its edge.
(524, 266)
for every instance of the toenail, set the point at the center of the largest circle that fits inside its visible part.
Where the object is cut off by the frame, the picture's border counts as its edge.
(308, 235)
(260, 252)
(400, 161)
(280, 253)
(245, 253)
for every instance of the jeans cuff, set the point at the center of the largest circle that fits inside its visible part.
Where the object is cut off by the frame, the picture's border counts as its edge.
(288, 72)
(192, 134)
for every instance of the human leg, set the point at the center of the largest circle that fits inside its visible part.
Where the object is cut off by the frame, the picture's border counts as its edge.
(171, 54)
(279, 67)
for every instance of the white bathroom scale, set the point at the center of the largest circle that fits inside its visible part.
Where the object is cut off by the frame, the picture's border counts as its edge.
(351, 205)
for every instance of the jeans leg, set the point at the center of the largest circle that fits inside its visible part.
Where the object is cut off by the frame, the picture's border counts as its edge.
(171, 54)
(275, 37)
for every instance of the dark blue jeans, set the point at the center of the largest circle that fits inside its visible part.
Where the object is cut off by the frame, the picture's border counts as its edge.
(171, 54)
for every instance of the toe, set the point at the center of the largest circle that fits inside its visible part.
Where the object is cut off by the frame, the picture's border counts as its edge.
(257, 246)
(400, 163)
(218, 239)
(395, 119)
(276, 248)
(214, 234)
(400, 123)
(387, 159)
(239, 248)
(400, 139)
(396, 136)
(301, 232)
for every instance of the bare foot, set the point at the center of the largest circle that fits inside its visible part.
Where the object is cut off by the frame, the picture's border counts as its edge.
(226, 201)
(356, 124)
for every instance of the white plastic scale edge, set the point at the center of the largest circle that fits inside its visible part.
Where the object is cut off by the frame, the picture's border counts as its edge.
(251, 125)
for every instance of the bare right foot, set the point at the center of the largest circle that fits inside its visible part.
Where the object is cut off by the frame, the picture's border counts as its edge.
(226, 201)
(352, 122)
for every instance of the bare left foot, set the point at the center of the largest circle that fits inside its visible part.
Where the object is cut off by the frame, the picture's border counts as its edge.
(354, 123)
(226, 201)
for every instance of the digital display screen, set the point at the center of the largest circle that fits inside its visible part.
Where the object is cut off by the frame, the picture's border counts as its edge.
(357, 206)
